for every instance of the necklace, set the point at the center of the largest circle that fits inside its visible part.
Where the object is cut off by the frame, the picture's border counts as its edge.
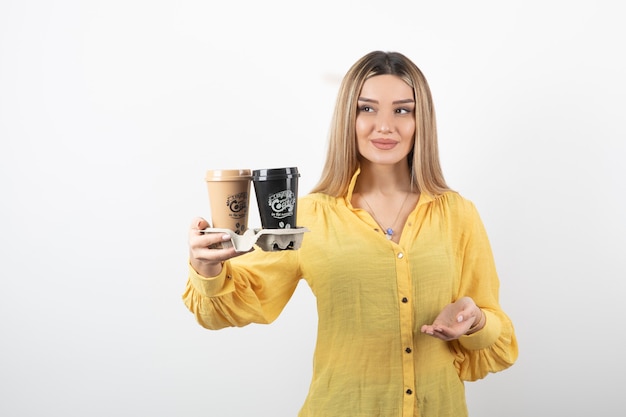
(388, 231)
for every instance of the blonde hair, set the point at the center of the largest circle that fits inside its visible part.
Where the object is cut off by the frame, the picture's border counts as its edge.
(342, 157)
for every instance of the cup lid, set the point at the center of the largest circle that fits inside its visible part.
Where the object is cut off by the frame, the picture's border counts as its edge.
(227, 174)
(275, 173)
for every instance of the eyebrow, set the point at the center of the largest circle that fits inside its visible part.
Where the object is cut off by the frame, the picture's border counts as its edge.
(404, 101)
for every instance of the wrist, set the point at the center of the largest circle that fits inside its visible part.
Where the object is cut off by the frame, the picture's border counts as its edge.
(207, 269)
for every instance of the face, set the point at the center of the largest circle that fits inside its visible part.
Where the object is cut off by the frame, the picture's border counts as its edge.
(385, 121)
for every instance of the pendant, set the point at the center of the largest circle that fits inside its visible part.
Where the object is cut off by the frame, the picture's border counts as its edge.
(389, 233)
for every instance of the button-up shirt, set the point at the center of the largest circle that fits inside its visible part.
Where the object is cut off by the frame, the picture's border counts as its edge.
(373, 295)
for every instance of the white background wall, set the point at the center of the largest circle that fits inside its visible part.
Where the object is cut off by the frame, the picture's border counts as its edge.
(111, 111)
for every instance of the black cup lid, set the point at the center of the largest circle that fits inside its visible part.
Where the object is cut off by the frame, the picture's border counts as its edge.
(275, 173)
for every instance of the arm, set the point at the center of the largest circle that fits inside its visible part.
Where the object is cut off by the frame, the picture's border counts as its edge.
(494, 347)
(240, 289)
(480, 334)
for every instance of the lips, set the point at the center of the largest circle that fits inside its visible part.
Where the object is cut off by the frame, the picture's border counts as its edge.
(384, 144)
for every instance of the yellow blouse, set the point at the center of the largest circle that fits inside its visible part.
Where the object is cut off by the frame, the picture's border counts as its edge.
(373, 295)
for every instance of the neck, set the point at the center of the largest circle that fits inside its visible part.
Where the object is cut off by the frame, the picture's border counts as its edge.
(384, 179)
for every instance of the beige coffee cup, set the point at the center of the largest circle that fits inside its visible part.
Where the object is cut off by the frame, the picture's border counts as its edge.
(229, 197)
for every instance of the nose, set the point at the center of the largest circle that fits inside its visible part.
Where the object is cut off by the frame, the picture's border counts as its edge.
(384, 123)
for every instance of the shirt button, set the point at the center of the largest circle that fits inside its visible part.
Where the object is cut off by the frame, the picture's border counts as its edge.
(405, 300)
(400, 255)
(408, 350)
(409, 392)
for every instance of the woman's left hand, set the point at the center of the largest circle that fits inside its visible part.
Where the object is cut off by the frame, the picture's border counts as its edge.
(455, 320)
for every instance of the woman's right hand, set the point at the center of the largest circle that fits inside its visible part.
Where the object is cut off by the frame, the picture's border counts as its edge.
(203, 256)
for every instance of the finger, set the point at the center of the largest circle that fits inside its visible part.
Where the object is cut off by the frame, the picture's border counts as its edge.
(432, 330)
(468, 312)
(215, 255)
(471, 314)
(437, 333)
(445, 333)
(200, 240)
(199, 223)
(208, 249)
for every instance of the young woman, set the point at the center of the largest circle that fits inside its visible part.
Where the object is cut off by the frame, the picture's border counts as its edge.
(400, 265)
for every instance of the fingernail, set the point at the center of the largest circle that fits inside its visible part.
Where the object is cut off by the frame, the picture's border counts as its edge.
(459, 319)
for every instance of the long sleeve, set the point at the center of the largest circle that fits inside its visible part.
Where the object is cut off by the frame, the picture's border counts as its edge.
(252, 288)
(493, 348)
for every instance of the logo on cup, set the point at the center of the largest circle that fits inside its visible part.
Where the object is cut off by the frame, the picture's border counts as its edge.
(237, 204)
(282, 204)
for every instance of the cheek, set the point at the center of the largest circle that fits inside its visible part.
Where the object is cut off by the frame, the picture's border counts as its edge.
(361, 127)
(407, 131)
(362, 132)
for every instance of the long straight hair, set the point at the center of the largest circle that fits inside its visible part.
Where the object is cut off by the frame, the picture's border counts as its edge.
(342, 157)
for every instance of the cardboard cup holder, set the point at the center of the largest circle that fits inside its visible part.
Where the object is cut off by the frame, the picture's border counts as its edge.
(270, 240)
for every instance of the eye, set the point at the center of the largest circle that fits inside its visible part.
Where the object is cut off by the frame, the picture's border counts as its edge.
(366, 109)
(404, 110)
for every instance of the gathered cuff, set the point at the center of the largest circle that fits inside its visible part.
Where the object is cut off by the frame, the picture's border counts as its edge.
(484, 337)
(214, 286)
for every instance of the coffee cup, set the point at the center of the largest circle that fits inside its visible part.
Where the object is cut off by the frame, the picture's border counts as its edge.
(229, 197)
(276, 192)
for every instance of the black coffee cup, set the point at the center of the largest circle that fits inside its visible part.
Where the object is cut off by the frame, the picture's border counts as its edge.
(276, 191)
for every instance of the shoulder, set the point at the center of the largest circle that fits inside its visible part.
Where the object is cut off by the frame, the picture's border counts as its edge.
(315, 206)
(316, 201)
(455, 198)
(455, 204)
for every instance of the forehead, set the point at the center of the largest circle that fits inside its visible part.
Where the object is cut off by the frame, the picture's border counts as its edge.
(387, 86)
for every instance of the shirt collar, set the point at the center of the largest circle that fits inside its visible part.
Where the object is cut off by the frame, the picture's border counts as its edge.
(348, 196)
(424, 197)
